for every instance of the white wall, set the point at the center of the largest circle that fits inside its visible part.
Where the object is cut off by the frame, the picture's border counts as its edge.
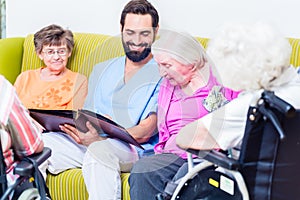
(199, 17)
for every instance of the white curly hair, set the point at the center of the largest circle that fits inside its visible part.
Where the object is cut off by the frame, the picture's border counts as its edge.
(249, 56)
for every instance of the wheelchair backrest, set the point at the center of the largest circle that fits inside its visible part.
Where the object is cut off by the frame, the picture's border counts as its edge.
(270, 162)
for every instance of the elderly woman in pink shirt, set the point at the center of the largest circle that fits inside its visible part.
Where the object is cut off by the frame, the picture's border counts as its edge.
(188, 91)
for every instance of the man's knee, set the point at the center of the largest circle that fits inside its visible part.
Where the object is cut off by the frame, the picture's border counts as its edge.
(102, 153)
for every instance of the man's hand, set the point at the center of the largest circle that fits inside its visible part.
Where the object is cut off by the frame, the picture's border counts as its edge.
(80, 137)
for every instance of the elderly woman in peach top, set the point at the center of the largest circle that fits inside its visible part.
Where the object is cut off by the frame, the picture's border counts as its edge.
(52, 86)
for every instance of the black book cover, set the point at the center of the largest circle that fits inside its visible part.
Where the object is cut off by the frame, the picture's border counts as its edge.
(51, 119)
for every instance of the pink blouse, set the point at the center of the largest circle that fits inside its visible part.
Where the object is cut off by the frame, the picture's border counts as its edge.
(176, 109)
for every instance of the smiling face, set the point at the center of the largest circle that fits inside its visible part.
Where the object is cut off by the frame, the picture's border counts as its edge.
(55, 57)
(137, 36)
(176, 72)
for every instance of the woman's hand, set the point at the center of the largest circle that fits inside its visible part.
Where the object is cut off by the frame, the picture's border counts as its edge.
(80, 137)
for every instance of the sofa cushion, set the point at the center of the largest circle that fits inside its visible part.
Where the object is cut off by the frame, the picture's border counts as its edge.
(69, 185)
(295, 57)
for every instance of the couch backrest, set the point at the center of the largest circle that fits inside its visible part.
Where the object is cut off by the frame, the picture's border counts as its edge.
(295, 43)
(295, 57)
(91, 48)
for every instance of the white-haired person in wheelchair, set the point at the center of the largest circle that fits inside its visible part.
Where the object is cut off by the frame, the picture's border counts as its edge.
(252, 58)
(20, 136)
(189, 90)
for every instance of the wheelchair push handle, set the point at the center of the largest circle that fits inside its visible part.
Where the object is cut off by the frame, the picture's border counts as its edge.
(275, 102)
(270, 100)
(271, 116)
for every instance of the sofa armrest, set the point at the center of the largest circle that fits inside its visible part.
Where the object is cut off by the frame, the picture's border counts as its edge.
(11, 52)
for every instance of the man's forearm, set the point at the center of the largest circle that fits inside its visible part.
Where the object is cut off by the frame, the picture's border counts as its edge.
(145, 129)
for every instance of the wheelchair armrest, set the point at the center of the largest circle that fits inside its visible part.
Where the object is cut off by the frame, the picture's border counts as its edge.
(218, 158)
(25, 168)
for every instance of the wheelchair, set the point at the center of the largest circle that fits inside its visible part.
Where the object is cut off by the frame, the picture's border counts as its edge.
(268, 165)
(27, 169)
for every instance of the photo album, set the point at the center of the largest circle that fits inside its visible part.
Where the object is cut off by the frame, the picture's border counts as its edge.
(50, 120)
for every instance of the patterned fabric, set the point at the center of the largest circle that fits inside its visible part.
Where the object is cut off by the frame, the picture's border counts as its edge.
(295, 57)
(68, 185)
(215, 99)
(19, 131)
(203, 41)
(67, 92)
(61, 188)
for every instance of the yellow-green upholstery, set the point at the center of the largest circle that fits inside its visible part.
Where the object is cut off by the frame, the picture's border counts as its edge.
(295, 57)
(70, 185)
(17, 54)
(11, 52)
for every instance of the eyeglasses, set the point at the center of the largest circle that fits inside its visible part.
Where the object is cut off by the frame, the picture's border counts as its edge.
(52, 52)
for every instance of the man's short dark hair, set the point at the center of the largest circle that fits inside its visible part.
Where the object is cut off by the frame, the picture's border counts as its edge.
(142, 7)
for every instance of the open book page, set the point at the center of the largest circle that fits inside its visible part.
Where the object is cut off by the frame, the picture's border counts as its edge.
(51, 119)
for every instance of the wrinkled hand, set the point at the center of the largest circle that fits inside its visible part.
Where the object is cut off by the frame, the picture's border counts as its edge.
(80, 137)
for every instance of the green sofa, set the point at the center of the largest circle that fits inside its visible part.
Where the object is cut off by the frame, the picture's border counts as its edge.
(17, 54)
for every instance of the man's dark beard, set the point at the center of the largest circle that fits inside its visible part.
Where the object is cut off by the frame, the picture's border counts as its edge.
(136, 56)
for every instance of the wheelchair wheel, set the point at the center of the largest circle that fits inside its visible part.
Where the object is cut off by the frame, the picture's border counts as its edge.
(30, 194)
(199, 188)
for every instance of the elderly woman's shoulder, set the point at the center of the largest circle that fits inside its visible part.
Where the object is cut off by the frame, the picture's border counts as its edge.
(77, 75)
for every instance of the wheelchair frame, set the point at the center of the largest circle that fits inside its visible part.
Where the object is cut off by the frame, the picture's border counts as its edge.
(26, 169)
(193, 170)
(265, 105)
